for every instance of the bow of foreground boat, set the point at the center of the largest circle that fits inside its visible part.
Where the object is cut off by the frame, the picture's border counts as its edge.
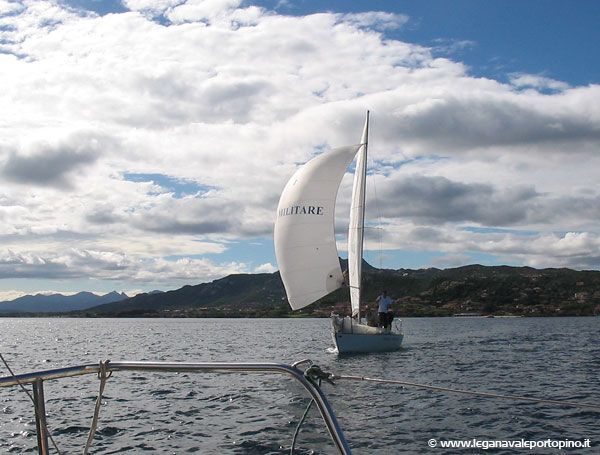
(310, 379)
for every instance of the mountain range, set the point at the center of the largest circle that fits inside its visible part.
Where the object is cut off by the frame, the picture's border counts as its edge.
(44, 303)
(473, 289)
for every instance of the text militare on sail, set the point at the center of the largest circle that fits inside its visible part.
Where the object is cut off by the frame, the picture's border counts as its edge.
(300, 210)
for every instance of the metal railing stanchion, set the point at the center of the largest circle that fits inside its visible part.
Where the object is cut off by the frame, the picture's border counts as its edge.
(40, 416)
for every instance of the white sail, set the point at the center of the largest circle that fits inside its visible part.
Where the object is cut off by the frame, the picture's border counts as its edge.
(357, 223)
(304, 231)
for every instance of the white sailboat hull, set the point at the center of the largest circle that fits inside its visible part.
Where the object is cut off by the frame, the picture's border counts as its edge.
(350, 336)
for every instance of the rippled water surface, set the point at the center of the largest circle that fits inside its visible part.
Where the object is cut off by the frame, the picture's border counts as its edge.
(208, 413)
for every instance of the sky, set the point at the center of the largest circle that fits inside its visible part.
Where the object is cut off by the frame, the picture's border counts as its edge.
(144, 143)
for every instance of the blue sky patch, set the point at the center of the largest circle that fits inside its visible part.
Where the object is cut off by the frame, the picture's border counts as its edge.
(179, 187)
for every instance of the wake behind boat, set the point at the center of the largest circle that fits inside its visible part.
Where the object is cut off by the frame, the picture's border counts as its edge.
(306, 248)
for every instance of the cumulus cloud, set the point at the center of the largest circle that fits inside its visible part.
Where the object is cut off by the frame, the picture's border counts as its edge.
(537, 82)
(483, 118)
(231, 98)
(109, 265)
(535, 249)
(439, 200)
(265, 268)
(50, 165)
(200, 10)
(379, 20)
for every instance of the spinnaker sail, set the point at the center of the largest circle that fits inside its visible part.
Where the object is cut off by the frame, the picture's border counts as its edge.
(304, 230)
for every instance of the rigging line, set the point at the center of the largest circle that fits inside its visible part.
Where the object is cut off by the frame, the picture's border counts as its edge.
(35, 405)
(103, 376)
(469, 392)
(315, 375)
(300, 424)
(312, 373)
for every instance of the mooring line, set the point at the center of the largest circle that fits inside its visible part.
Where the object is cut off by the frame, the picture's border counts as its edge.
(103, 376)
(468, 392)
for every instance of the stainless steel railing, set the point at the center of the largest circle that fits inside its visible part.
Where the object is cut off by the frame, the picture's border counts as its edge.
(38, 378)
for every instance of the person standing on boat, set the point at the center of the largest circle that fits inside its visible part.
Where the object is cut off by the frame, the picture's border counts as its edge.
(384, 302)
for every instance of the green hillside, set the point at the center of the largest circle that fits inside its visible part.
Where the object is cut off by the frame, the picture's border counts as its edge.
(473, 289)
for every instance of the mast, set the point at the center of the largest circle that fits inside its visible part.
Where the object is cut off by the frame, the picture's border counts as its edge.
(357, 223)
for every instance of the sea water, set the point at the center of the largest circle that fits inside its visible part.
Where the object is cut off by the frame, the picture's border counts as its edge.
(208, 413)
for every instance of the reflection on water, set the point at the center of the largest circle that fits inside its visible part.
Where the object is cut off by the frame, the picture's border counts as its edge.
(257, 414)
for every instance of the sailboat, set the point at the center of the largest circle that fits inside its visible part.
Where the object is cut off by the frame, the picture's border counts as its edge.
(306, 250)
